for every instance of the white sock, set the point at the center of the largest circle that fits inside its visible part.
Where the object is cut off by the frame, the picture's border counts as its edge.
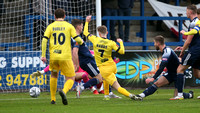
(82, 88)
(131, 95)
(42, 72)
(101, 88)
(111, 93)
(93, 88)
(180, 94)
(142, 95)
(190, 95)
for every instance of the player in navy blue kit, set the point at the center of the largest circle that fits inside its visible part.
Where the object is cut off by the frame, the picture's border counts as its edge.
(192, 57)
(171, 62)
(86, 62)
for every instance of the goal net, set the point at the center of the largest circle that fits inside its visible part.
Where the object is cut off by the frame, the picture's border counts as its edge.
(23, 23)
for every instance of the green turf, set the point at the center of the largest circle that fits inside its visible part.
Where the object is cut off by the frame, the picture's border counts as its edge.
(89, 103)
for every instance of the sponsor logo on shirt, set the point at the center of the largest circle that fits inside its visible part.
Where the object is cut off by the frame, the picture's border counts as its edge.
(164, 59)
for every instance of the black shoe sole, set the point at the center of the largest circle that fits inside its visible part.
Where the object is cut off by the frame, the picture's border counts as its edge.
(53, 102)
(63, 96)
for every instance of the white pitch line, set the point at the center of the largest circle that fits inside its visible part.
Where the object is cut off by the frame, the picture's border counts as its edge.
(48, 98)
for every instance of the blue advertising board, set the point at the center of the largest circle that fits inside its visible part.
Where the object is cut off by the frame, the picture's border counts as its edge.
(136, 66)
(16, 68)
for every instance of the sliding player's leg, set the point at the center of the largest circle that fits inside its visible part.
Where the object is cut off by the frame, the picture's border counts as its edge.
(112, 80)
(150, 90)
(111, 94)
(92, 82)
(108, 92)
(123, 91)
(107, 72)
(93, 71)
(84, 76)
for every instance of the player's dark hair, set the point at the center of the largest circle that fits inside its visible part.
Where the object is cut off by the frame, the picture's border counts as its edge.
(160, 39)
(198, 11)
(193, 8)
(102, 29)
(59, 13)
(76, 22)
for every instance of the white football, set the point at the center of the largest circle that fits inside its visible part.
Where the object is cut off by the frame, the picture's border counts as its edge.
(34, 92)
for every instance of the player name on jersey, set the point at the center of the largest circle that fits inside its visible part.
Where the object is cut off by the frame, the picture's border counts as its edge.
(58, 28)
(101, 46)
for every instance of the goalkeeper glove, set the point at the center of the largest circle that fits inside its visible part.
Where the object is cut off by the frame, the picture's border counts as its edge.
(36, 74)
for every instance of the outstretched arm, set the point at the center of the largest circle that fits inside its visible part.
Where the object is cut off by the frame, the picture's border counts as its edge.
(160, 70)
(88, 19)
(86, 33)
(191, 32)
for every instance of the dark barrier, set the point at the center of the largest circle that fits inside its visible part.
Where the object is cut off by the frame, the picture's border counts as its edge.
(135, 66)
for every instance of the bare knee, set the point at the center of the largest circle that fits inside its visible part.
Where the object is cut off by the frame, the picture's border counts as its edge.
(158, 84)
(181, 68)
(99, 77)
(116, 85)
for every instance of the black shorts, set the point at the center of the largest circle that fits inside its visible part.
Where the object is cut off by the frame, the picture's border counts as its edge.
(91, 68)
(171, 77)
(191, 59)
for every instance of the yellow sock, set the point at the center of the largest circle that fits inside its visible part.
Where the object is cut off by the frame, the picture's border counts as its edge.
(123, 91)
(68, 85)
(53, 88)
(106, 87)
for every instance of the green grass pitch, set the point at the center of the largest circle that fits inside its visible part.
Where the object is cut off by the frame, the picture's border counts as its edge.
(88, 103)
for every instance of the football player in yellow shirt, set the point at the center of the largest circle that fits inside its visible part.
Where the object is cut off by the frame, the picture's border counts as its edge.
(103, 56)
(60, 33)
